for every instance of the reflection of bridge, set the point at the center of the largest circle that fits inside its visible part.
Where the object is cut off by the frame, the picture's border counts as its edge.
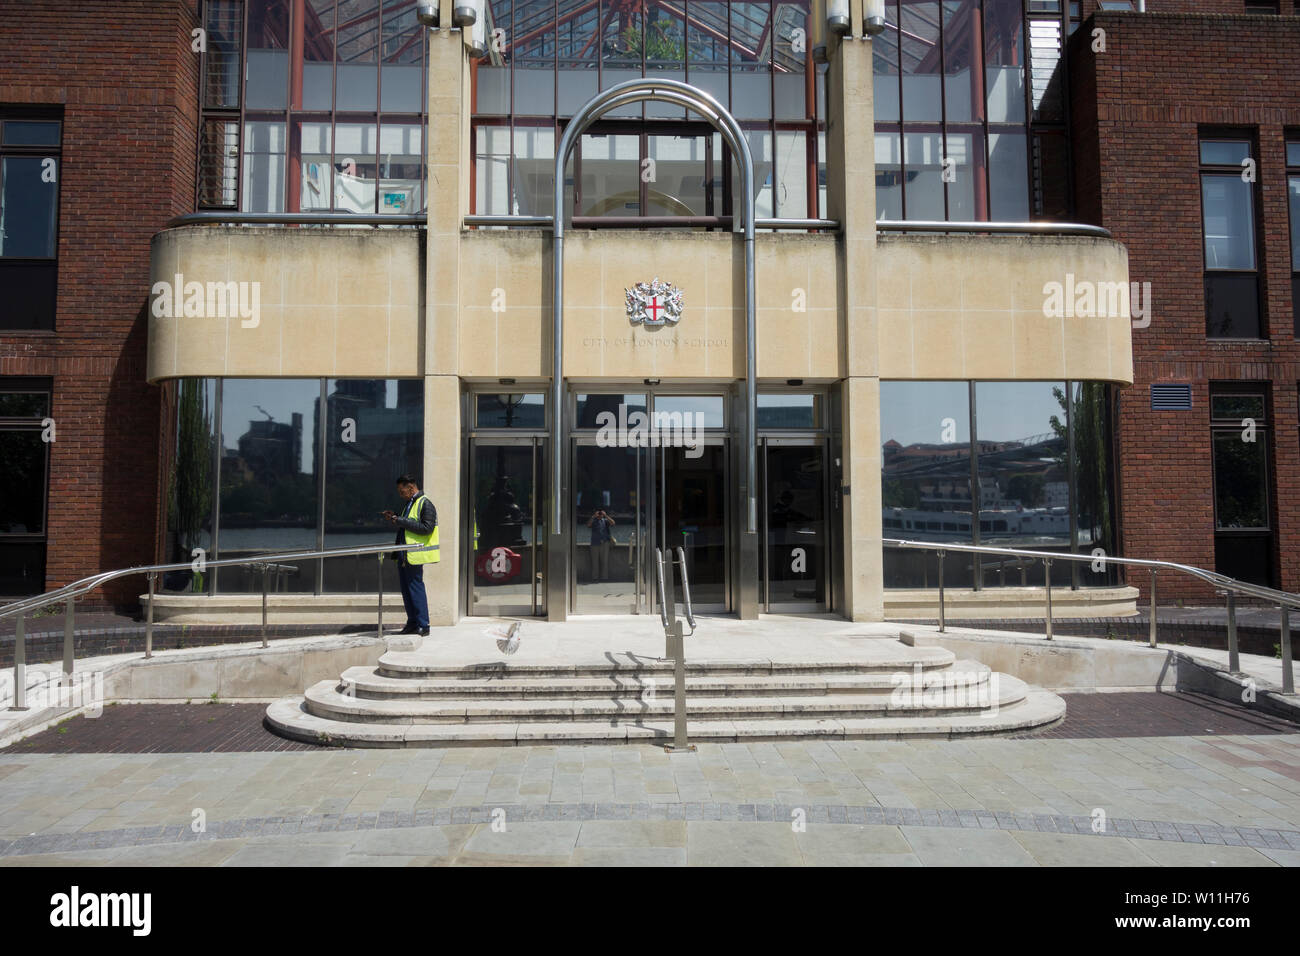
(923, 458)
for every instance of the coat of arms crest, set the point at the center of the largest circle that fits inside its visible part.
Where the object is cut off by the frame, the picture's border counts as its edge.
(654, 303)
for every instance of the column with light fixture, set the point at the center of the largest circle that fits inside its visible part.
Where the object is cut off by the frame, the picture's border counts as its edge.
(447, 192)
(847, 28)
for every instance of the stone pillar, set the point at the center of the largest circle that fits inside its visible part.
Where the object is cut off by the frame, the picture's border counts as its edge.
(446, 139)
(851, 189)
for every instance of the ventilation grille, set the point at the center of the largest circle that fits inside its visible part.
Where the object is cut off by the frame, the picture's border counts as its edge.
(1171, 398)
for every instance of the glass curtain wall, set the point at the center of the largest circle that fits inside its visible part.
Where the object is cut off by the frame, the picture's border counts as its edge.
(265, 465)
(950, 111)
(648, 159)
(326, 114)
(1038, 475)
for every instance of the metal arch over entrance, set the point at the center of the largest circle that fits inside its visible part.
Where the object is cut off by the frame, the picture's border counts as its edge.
(702, 103)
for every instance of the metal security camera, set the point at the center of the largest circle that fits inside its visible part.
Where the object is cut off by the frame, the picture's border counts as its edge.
(427, 14)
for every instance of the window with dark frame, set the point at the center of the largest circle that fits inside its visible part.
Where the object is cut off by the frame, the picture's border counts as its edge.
(1229, 213)
(652, 159)
(25, 407)
(30, 169)
(952, 97)
(1242, 480)
(327, 115)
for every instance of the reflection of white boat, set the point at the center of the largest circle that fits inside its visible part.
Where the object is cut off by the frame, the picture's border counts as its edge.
(1007, 525)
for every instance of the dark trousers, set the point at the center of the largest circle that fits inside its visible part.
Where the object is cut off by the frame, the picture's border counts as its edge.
(412, 580)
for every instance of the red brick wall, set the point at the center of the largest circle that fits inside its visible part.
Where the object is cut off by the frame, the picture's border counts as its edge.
(1137, 174)
(128, 83)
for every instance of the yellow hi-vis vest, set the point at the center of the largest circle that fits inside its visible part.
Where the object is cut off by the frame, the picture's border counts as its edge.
(421, 557)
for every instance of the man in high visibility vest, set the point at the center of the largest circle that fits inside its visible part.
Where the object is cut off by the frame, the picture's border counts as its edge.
(417, 524)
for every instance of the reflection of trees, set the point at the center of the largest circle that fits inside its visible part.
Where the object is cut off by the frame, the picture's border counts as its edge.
(900, 494)
(22, 480)
(1026, 489)
(1089, 414)
(190, 494)
(1238, 481)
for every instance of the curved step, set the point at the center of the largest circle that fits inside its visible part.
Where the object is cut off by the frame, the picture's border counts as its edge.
(330, 699)
(289, 718)
(364, 682)
(876, 657)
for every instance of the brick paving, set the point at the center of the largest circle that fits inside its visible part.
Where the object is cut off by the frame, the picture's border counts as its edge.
(238, 728)
(162, 728)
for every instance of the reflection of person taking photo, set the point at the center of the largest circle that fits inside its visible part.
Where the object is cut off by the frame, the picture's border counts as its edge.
(600, 524)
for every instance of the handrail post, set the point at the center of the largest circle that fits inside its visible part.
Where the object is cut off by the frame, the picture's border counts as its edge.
(266, 573)
(20, 664)
(942, 622)
(1151, 625)
(69, 616)
(148, 618)
(1234, 659)
(1047, 582)
(1288, 679)
(380, 628)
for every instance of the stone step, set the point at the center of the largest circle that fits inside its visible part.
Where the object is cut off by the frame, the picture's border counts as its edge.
(329, 699)
(366, 682)
(876, 657)
(290, 718)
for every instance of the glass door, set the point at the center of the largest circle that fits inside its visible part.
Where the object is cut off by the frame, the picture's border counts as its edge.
(609, 528)
(793, 513)
(691, 513)
(507, 514)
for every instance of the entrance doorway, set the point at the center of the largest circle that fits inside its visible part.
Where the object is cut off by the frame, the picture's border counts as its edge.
(508, 530)
(630, 501)
(796, 553)
(635, 492)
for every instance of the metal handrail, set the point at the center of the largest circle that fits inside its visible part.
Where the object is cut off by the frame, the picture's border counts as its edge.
(1269, 595)
(1231, 587)
(674, 645)
(657, 222)
(266, 563)
(1033, 228)
(686, 589)
(659, 574)
(85, 585)
(221, 217)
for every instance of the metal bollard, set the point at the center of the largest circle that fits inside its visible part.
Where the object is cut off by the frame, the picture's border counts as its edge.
(1047, 580)
(942, 621)
(677, 649)
(20, 664)
(1234, 659)
(1288, 679)
(148, 619)
(68, 648)
(266, 573)
(1151, 625)
(381, 595)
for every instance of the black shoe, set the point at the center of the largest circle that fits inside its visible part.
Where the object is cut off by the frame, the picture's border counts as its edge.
(424, 632)
(408, 630)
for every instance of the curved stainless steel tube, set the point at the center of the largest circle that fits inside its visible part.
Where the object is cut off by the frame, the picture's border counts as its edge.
(1033, 228)
(698, 101)
(663, 601)
(686, 589)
